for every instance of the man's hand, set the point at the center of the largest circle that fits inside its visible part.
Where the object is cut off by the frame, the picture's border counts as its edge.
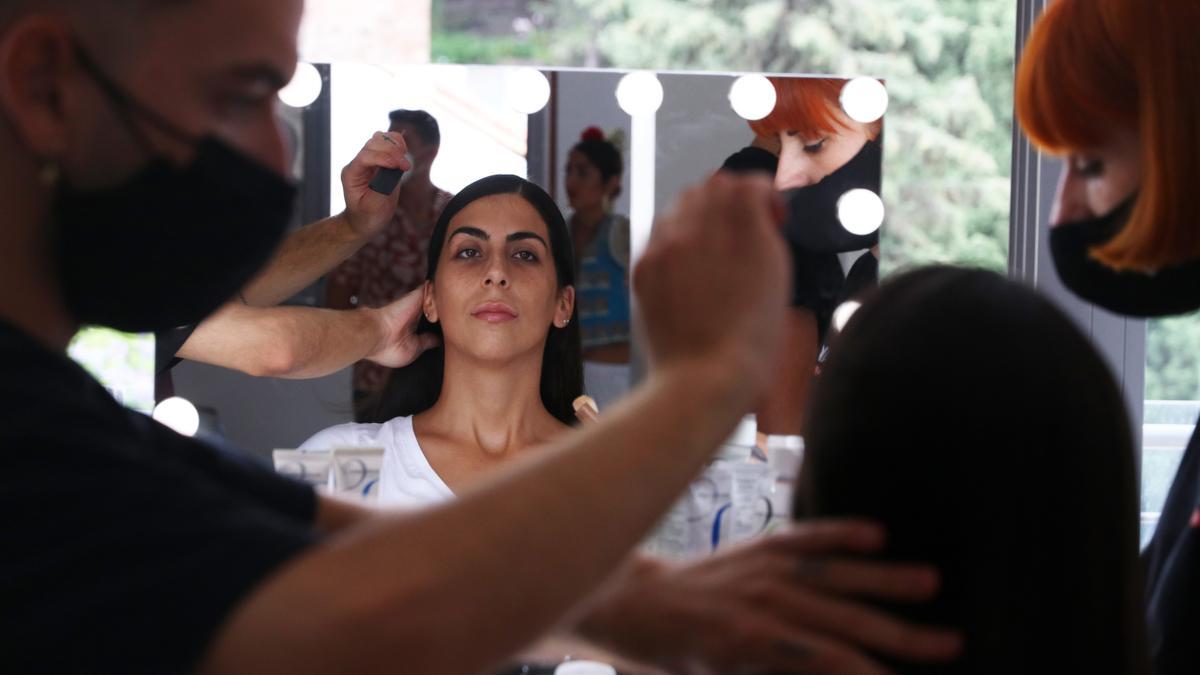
(779, 604)
(713, 282)
(400, 344)
(367, 211)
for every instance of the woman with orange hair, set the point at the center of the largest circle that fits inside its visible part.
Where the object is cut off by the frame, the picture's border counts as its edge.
(1114, 87)
(816, 153)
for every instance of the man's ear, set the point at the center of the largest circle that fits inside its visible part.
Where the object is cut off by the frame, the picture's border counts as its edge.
(39, 79)
(428, 304)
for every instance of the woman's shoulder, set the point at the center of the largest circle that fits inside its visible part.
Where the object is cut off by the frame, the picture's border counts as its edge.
(350, 435)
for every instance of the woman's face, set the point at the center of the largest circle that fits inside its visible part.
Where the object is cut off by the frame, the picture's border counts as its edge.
(807, 161)
(1097, 180)
(586, 188)
(496, 291)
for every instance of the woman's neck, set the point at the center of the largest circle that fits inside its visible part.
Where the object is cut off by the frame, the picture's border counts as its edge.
(587, 218)
(495, 408)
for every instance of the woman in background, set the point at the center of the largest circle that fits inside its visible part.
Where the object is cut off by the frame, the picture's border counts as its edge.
(1022, 494)
(601, 238)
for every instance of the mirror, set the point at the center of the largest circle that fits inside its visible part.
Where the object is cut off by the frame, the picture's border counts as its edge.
(682, 128)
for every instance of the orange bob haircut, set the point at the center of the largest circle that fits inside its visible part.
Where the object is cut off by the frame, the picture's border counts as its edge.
(808, 106)
(1093, 65)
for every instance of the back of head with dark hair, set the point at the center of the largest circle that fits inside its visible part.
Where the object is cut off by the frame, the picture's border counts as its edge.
(416, 388)
(424, 124)
(970, 417)
(602, 153)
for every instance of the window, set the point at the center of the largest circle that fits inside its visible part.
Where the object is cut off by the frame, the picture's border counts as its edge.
(1172, 407)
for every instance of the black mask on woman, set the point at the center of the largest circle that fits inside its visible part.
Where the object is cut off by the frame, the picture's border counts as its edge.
(812, 221)
(1168, 291)
(170, 244)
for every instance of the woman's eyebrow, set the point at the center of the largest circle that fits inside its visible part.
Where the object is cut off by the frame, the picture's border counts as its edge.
(518, 236)
(470, 232)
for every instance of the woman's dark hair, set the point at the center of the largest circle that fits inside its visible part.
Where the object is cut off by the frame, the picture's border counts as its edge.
(416, 387)
(602, 153)
(967, 415)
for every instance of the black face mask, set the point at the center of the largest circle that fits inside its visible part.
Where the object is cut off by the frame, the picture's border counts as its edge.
(170, 244)
(1171, 290)
(812, 221)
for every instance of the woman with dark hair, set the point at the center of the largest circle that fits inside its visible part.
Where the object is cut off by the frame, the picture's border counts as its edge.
(594, 170)
(500, 297)
(1024, 498)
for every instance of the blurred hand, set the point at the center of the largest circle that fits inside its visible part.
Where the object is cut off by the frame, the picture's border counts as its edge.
(401, 345)
(781, 604)
(713, 282)
(367, 211)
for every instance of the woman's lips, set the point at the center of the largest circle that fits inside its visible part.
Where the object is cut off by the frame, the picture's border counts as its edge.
(494, 312)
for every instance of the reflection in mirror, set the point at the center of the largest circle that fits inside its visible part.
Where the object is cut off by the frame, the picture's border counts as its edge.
(606, 171)
(815, 153)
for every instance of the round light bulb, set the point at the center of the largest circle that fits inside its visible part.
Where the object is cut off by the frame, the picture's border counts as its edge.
(864, 99)
(640, 93)
(527, 90)
(178, 414)
(841, 315)
(304, 88)
(584, 668)
(752, 97)
(860, 211)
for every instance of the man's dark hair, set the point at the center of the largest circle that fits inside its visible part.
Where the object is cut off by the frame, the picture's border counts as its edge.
(422, 123)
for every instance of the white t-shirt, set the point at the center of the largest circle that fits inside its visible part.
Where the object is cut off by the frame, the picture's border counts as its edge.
(406, 478)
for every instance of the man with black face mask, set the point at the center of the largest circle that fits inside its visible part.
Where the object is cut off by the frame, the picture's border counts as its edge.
(141, 173)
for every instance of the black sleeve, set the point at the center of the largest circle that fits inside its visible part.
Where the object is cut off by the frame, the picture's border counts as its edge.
(167, 344)
(817, 281)
(240, 473)
(125, 553)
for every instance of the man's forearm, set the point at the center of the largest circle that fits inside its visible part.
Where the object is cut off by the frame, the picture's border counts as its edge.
(305, 256)
(285, 342)
(416, 588)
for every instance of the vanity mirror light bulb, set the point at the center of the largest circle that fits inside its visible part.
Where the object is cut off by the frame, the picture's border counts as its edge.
(527, 90)
(860, 211)
(864, 99)
(639, 93)
(179, 415)
(752, 97)
(584, 668)
(305, 87)
(841, 315)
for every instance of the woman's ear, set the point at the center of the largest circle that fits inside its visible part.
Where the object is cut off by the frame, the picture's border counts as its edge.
(566, 307)
(428, 304)
(612, 187)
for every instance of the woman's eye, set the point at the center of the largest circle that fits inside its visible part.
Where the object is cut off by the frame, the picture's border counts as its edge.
(467, 253)
(1088, 167)
(813, 148)
(526, 256)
